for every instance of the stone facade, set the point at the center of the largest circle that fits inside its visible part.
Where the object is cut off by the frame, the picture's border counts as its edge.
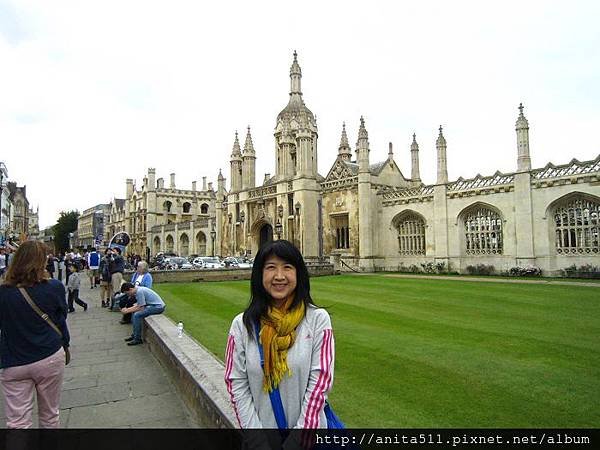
(19, 212)
(375, 218)
(34, 224)
(370, 215)
(164, 219)
(90, 226)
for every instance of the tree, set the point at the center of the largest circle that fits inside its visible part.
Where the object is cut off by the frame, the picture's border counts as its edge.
(66, 223)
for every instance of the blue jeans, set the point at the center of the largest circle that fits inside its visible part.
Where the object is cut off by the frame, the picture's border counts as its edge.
(138, 318)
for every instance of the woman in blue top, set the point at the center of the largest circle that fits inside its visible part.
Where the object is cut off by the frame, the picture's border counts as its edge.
(31, 351)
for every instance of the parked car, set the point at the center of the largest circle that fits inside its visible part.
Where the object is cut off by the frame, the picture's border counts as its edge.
(177, 262)
(207, 262)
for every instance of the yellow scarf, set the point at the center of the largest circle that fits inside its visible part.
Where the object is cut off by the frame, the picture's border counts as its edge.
(277, 335)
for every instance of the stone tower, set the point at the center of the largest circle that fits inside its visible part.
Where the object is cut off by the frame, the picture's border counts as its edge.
(296, 134)
(344, 151)
(414, 158)
(365, 202)
(442, 164)
(248, 163)
(236, 166)
(522, 126)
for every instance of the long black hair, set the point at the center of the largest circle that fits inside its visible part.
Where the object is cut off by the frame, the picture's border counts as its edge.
(259, 297)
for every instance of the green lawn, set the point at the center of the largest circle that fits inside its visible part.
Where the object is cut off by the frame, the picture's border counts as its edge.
(435, 353)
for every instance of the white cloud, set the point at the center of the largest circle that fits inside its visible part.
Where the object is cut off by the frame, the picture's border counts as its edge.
(96, 92)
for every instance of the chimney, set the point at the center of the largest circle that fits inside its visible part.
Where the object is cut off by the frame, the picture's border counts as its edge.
(194, 186)
(172, 186)
(160, 183)
(204, 183)
(267, 177)
(210, 188)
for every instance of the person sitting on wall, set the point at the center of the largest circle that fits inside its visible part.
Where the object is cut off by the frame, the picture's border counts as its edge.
(139, 278)
(147, 302)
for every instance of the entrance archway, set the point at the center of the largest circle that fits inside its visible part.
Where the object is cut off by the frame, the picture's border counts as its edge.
(265, 235)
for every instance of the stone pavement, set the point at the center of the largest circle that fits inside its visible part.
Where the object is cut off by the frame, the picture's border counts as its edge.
(109, 384)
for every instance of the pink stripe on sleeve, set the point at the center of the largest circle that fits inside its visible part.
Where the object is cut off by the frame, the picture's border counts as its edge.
(311, 418)
(321, 398)
(228, 368)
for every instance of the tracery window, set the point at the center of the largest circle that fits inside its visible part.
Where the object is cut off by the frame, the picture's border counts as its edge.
(167, 206)
(186, 207)
(483, 232)
(577, 227)
(204, 208)
(411, 235)
(341, 230)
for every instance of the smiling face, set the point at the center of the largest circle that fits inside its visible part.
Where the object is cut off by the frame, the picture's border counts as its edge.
(279, 279)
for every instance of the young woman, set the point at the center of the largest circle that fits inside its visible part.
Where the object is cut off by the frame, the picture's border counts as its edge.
(297, 342)
(31, 350)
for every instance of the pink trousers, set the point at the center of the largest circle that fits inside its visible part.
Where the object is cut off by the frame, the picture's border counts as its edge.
(18, 384)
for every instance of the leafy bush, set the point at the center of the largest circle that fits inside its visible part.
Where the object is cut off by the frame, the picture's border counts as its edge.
(414, 269)
(529, 271)
(583, 271)
(428, 267)
(480, 269)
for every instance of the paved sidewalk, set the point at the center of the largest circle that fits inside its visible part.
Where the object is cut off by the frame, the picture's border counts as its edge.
(109, 384)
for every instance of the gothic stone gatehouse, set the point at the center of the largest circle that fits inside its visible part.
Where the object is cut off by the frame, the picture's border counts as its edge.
(374, 217)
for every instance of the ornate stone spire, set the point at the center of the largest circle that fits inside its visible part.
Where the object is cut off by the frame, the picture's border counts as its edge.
(248, 146)
(295, 76)
(522, 127)
(220, 177)
(362, 147)
(442, 165)
(236, 152)
(344, 151)
(414, 158)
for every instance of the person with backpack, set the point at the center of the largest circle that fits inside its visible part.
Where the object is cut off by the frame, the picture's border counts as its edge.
(93, 261)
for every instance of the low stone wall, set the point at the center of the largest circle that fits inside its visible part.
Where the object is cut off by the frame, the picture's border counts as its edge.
(190, 276)
(196, 373)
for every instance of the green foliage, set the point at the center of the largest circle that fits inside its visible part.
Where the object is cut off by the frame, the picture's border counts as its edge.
(413, 352)
(66, 223)
(480, 269)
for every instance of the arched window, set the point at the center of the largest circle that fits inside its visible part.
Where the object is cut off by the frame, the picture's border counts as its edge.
(577, 226)
(170, 243)
(483, 231)
(411, 234)
(201, 243)
(204, 208)
(167, 206)
(186, 207)
(184, 245)
(156, 245)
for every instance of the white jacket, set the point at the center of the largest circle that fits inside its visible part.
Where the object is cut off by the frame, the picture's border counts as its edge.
(303, 394)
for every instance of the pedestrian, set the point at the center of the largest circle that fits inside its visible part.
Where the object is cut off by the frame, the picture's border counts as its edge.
(50, 265)
(61, 266)
(68, 263)
(2, 262)
(33, 350)
(297, 343)
(116, 268)
(139, 278)
(73, 286)
(105, 284)
(147, 302)
(93, 261)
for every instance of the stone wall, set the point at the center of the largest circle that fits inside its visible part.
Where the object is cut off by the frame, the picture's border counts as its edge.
(196, 373)
(315, 269)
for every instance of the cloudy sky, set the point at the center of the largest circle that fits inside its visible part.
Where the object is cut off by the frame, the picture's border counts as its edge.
(94, 92)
